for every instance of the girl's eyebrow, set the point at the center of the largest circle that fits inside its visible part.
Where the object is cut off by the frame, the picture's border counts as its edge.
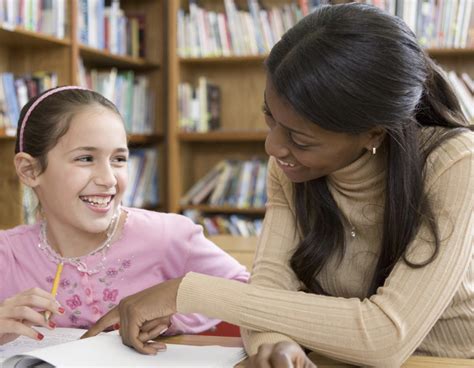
(93, 149)
(283, 125)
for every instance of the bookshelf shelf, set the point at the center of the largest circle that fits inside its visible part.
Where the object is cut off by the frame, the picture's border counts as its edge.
(451, 52)
(105, 58)
(224, 59)
(5, 137)
(225, 136)
(260, 58)
(135, 139)
(226, 209)
(22, 37)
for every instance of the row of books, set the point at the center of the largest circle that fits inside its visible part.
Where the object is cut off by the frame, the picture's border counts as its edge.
(15, 91)
(437, 24)
(143, 178)
(130, 92)
(226, 224)
(46, 16)
(204, 32)
(199, 107)
(236, 183)
(463, 86)
(108, 27)
(207, 33)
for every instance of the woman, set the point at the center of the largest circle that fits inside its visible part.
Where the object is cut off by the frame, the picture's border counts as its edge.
(367, 241)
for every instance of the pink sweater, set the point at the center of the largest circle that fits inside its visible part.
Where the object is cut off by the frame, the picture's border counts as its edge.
(153, 247)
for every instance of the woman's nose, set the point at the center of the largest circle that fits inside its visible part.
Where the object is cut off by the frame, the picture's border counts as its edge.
(276, 144)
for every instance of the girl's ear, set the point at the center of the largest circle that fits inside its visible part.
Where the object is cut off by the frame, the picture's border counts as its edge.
(27, 169)
(375, 138)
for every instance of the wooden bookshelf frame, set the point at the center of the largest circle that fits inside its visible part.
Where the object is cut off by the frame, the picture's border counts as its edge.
(224, 136)
(226, 209)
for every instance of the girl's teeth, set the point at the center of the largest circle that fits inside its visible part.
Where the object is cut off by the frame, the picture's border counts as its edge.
(97, 201)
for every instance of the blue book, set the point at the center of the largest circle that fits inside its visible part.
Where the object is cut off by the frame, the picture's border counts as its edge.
(13, 110)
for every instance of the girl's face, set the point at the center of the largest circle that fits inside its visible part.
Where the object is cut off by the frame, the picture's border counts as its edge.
(302, 149)
(86, 173)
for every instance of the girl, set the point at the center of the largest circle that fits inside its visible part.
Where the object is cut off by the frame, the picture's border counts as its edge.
(366, 249)
(72, 151)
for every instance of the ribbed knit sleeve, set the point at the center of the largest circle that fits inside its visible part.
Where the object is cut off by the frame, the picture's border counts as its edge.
(382, 330)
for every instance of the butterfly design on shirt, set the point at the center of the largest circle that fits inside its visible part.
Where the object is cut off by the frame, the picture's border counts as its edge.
(110, 295)
(74, 302)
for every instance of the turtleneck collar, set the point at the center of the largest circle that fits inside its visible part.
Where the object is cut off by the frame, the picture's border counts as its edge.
(367, 173)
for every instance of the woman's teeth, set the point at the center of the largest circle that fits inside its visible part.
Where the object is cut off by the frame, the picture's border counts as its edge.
(286, 163)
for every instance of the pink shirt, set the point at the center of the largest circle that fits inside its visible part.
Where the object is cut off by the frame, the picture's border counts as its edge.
(153, 247)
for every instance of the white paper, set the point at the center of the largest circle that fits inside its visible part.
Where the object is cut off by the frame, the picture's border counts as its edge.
(24, 344)
(108, 351)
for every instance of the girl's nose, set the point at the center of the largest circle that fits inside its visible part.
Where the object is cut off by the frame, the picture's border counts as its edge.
(105, 176)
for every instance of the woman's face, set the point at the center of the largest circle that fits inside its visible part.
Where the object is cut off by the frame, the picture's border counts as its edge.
(302, 149)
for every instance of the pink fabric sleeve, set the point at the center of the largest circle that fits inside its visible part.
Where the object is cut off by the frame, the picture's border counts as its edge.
(203, 256)
(6, 261)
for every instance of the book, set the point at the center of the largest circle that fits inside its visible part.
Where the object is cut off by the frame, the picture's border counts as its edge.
(107, 350)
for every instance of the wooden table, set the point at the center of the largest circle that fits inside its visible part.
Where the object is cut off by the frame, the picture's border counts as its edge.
(322, 362)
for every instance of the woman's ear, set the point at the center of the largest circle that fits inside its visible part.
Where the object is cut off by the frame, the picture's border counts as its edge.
(27, 169)
(375, 137)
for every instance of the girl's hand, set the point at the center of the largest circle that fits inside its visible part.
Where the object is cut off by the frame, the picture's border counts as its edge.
(141, 315)
(284, 354)
(20, 312)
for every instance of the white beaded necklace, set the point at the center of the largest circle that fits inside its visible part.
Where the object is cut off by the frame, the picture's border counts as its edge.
(78, 261)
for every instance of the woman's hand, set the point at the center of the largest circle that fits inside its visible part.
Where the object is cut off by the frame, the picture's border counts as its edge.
(284, 354)
(20, 312)
(141, 316)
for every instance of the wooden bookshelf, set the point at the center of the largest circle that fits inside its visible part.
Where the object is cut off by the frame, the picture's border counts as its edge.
(225, 60)
(243, 130)
(144, 139)
(226, 209)
(225, 136)
(18, 36)
(106, 58)
(23, 51)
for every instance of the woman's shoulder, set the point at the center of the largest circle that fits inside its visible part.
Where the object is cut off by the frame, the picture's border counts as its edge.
(457, 147)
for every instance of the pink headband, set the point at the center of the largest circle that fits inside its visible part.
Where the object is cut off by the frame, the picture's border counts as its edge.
(36, 103)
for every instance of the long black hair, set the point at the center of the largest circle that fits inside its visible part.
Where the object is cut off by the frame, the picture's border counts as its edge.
(350, 68)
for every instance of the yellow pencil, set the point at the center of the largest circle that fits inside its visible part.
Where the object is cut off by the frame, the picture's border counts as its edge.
(54, 289)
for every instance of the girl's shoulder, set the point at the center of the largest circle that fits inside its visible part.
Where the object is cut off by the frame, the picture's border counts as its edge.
(141, 221)
(20, 234)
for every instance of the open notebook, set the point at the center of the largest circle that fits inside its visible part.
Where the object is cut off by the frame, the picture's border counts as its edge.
(107, 350)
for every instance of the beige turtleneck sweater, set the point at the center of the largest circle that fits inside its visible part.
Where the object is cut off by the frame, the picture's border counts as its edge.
(429, 309)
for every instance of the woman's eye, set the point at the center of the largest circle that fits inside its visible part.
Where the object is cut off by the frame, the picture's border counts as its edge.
(298, 145)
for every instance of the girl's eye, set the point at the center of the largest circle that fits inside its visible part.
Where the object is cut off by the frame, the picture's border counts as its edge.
(84, 159)
(120, 159)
